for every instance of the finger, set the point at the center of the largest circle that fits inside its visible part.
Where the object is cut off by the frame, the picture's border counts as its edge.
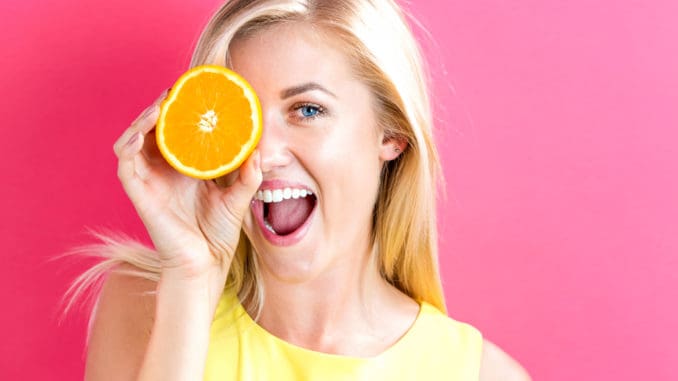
(228, 179)
(133, 167)
(250, 173)
(123, 140)
(126, 163)
(144, 123)
(142, 164)
(236, 200)
(138, 123)
(143, 114)
(130, 132)
(148, 109)
(152, 117)
(145, 156)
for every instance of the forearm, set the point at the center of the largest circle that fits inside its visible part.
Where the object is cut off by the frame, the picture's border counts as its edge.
(178, 345)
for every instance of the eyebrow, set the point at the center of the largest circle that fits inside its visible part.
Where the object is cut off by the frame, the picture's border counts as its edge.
(292, 91)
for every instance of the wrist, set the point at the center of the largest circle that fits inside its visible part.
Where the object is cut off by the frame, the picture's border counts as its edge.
(194, 268)
(191, 292)
(181, 329)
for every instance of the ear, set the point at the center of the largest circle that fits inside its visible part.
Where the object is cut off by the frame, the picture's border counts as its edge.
(392, 147)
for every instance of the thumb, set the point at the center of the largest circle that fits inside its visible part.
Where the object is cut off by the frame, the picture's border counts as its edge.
(239, 195)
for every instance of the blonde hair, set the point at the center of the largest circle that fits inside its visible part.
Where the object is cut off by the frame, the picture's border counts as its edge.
(378, 42)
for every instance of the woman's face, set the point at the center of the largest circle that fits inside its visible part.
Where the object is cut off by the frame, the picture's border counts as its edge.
(320, 136)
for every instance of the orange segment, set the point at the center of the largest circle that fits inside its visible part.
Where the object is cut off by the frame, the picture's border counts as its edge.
(209, 123)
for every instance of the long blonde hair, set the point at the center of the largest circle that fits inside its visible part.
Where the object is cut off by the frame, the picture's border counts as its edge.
(379, 43)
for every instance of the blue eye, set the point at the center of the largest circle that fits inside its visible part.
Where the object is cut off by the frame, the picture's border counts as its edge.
(305, 112)
(309, 111)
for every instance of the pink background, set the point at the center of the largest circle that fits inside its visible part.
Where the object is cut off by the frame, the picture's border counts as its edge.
(557, 129)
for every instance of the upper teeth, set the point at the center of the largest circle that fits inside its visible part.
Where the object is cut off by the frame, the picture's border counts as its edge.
(277, 195)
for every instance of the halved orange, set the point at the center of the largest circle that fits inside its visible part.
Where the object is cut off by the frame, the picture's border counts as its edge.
(209, 123)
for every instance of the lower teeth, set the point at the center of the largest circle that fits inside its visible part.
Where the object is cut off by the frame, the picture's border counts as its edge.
(269, 227)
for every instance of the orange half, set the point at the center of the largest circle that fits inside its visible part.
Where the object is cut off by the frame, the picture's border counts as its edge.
(209, 123)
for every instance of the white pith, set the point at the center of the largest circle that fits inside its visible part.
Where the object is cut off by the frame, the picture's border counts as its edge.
(208, 121)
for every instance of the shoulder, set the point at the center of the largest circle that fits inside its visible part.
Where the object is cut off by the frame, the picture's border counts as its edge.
(451, 330)
(457, 344)
(467, 343)
(121, 325)
(496, 365)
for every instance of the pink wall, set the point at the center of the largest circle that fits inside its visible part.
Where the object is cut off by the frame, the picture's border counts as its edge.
(558, 133)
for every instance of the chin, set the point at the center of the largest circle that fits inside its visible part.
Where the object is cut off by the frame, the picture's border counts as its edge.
(290, 265)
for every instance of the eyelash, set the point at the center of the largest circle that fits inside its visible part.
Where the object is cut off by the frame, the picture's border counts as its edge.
(297, 107)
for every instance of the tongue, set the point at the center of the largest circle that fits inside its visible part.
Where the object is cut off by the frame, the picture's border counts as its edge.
(286, 216)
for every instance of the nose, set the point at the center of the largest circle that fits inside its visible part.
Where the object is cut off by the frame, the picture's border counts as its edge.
(273, 145)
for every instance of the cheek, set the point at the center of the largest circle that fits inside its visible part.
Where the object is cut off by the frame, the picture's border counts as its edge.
(348, 176)
(346, 141)
(343, 159)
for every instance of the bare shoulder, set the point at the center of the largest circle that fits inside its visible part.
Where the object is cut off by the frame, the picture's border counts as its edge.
(497, 365)
(121, 327)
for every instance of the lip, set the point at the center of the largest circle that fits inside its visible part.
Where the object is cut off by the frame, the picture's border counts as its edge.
(258, 211)
(281, 184)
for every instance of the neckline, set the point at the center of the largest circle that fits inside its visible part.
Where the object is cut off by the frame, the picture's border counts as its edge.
(424, 308)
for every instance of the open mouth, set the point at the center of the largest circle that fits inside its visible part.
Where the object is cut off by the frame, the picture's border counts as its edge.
(284, 214)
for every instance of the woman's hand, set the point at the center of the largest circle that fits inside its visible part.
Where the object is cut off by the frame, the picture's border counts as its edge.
(194, 224)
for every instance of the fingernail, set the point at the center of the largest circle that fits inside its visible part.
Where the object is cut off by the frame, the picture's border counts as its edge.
(151, 110)
(148, 111)
(132, 139)
(257, 161)
(162, 95)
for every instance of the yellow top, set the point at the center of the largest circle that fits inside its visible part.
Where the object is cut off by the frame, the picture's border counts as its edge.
(436, 347)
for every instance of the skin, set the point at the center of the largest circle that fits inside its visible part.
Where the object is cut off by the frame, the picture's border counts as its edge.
(332, 261)
(136, 336)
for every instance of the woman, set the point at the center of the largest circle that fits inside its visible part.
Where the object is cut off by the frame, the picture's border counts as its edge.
(246, 282)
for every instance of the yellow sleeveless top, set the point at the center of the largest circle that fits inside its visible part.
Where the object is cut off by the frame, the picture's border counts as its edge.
(435, 347)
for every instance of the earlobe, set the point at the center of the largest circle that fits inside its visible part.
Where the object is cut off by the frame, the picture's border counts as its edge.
(391, 148)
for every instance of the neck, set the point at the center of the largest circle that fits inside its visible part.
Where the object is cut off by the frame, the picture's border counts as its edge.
(318, 312)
